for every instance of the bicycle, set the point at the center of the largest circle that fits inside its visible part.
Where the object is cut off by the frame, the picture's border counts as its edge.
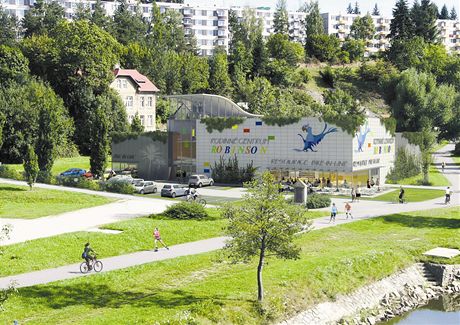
(94, 264)
(195, 198)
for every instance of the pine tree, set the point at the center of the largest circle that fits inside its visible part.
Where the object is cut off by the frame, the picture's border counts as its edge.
(259, 56)
(356, 11)
(313, 21)
(444, 14)
(31, 166)
(8, 27)
(424, 16)
(99, 16)
(136, 124)
(401, 25)
(99, 143)
(280, 18)
(453, 14)
(349, 9)
(376, 11)
(82, 12)
(127, 26)
(219, 79)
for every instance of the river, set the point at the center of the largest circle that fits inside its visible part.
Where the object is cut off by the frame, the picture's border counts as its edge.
(442, 311)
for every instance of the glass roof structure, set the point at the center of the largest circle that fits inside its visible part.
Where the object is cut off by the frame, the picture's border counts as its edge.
(197, 106)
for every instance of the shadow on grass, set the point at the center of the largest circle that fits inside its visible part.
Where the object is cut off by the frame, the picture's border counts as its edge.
(13, 189)
(423, 222)
(102, 296)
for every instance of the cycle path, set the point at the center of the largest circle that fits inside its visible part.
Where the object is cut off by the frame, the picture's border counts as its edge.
(361, 211)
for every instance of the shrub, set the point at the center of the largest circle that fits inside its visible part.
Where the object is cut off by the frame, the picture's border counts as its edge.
(79, 182)
(328, 76)
(7, 172)
(119, 186)
(229, 171)
(406, 165)
(186, 210)
(318, 201)
(457, 149)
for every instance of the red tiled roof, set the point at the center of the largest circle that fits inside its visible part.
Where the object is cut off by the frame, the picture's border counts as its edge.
(143, 83)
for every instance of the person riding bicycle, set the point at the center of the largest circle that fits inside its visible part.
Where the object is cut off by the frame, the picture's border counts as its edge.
(401, 195)
(87, 256)
(448, 194)
(192, 194)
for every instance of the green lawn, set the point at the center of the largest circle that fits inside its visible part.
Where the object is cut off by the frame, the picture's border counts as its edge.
(202, 289)
(436, 179)
(20, 202)
(62, 164)
(412, 195)
(456, 160)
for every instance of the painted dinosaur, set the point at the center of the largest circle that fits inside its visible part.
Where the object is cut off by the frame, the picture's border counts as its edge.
(312, 140)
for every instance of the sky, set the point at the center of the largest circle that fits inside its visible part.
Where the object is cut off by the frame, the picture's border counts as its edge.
(335, 6)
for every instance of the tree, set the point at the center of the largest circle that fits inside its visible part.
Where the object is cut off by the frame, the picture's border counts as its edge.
(356, 10)
(444, 14)
(82, 12)
(424, 16)
(376, 11)
(42, 18)
(13, 65)
(280, 18)
(259, 56)
(8, 28)
(42, 53)
(219, 79)
(354, 48)
(264, 225)
(30, 166)
(363, 28)
(136, 125)
(453, 14)
(407, 53)
(128, 26)
(401, 27)
(195, 73)
(279, 47)
(350, 9)
(313, 20)
(324, 47)
(99, 145)
(99, 16)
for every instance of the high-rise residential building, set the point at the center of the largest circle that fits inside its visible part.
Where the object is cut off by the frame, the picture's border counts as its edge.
(449, 34)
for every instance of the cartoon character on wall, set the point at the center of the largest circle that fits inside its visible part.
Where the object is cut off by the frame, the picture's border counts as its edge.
(312, 140)
(361, 136)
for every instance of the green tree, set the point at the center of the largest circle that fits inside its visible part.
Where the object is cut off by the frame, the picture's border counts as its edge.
(280, 48)
(354, 48)
(99, 145)
(401, 27)
(407, 53)
(136, 125)
(356, 10)
(350, 9)
(13, 65)
(219, 79)
(195, 73)
(280, 18)
(444, 14)
(43, 55)
(128, 26)
(82, 12)
(313, 20)
(363, 28)
(453, 14)
(8, 28)
(376, 11)
(30, 166)
(424, 16)
(435, 60)
(259, 56)
(263, 225)
(42, 17)
(99, 16)
(325, 48)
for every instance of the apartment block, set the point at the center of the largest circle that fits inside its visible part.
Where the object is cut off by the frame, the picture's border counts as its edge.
(449, 34)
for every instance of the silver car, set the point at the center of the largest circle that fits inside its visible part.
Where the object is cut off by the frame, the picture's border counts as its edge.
(173, 190)
(200, 180)
(145, 187)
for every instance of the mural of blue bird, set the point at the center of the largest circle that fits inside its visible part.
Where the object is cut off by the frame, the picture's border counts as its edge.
(312, 140)
(361, 136)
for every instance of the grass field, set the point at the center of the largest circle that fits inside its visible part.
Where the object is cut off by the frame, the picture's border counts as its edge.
(203, 289)
(411, 194)
(456, 160)
(62, 164)
(20, 202)
(436, 178)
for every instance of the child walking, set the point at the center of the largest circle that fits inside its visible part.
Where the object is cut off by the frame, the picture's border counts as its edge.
(157, 238)
(333, 213)
(348, 210)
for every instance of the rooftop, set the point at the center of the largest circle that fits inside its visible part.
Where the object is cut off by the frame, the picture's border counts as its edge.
(143, 83)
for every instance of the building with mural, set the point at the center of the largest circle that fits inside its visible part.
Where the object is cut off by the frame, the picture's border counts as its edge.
(309, 148)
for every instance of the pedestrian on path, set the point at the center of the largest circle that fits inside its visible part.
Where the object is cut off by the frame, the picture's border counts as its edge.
(353, 195)
(348, 210)
(333, 213)
(448, 194)
(443, 165)
(358, 194)
(401, 195)
(157, 238)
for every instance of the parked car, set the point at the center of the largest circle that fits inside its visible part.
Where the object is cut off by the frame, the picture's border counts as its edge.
(76, 172)
(173, 190)
(200, 180)
(145, 187)
(136, 181)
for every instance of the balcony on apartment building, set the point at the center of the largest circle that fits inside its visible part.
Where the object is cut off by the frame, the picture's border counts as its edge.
(188, 12)
(220, 13)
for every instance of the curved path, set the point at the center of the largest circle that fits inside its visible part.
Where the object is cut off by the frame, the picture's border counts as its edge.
(361, 211)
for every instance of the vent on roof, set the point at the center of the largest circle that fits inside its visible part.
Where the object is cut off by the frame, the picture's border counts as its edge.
(140, 81)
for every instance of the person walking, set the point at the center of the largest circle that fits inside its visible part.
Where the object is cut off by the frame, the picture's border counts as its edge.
(443, 165)
(353, 195)
(348, 210)
(358, 194)
(401, 195)
(333, 213)
(157, 238)
(448, 194)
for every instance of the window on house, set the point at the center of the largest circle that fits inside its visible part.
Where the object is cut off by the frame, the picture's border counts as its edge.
(204, 13)
(130, 118)
(125, 83)
(150, 120)
(129, 101)
(118, 83)
(142, 117)
(142, 101)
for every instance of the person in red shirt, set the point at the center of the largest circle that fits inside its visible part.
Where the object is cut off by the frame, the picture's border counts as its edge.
(157, 238)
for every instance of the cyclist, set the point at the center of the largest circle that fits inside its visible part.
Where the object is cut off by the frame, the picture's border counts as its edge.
(192, 194)
(87, 256)
(448, 194)
(401, 195)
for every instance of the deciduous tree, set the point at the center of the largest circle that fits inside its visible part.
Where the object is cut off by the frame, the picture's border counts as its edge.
(42, 17)
(363, 28)
(263, 226)
(219, 79)
(31, 168)
(136, 125)
(8, 28)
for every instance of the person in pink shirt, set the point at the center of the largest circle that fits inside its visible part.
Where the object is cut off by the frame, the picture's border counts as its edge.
(157, 238)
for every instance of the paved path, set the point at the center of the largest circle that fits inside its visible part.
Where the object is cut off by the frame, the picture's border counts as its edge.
(362, 210)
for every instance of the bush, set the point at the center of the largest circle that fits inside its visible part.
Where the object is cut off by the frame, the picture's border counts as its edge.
(229, 171)
(121, 186)
(457, 149)
(406, 165)
(318, 201)
(186, 210)
(328, 76)
(79, 182)
(7, 172)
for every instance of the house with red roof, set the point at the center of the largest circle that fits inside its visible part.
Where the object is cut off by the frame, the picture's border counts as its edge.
(138, 94)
